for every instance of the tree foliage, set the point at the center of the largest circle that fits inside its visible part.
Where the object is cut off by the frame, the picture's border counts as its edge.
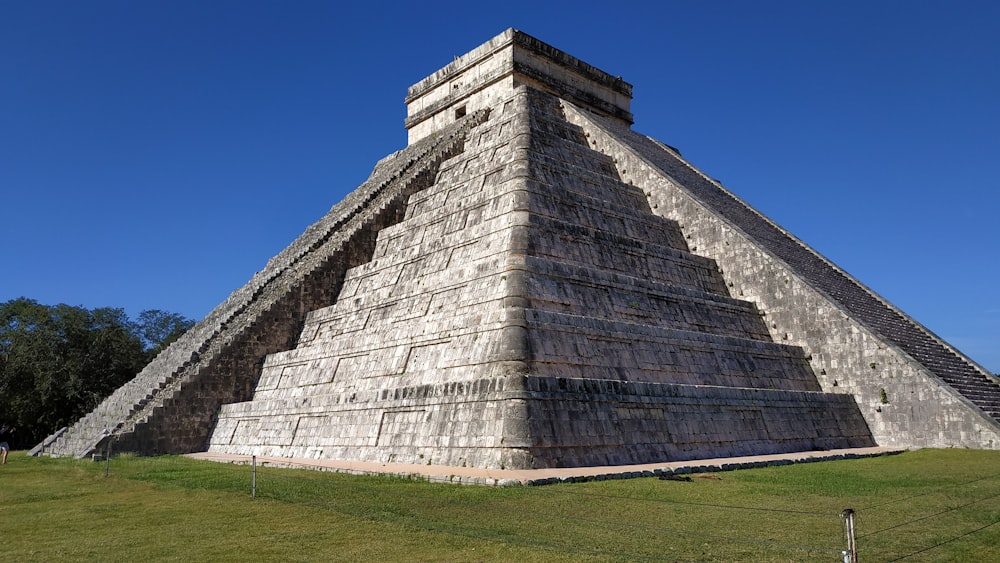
(158, 329)
(58, 362)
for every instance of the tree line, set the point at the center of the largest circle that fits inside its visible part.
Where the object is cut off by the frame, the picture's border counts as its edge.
(57, 362)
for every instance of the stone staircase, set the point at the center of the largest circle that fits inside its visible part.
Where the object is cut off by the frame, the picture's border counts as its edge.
(168, 406)
(960, 373)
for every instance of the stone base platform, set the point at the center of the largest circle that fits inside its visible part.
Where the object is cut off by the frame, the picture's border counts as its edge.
(548, 476)
(534, 422)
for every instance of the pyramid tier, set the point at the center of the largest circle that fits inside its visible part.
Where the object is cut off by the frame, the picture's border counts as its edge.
(529, 422)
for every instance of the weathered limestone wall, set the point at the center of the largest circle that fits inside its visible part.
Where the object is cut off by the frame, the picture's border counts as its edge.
(489, 73)
(586, 422)
(917, 410)
(629, 330)
(412, 363)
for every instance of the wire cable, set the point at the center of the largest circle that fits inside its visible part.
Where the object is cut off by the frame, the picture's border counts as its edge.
(894, 501)
(969, 533)
(707, 505)
(929, 516)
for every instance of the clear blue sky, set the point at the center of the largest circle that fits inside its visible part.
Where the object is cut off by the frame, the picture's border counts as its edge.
(155, 154)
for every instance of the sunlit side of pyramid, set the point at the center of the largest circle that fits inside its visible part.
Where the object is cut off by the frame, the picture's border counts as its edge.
(531, 284)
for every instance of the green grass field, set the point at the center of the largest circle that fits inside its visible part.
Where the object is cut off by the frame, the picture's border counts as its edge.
(928, 505)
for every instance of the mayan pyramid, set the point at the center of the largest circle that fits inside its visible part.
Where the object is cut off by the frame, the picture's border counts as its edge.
(530, 283)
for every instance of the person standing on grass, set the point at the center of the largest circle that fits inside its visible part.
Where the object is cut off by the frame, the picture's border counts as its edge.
(6, 433)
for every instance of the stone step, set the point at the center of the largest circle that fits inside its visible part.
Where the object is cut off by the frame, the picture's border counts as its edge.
(573, 288)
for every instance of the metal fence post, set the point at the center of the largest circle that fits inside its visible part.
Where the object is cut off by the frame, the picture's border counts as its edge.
(253, 477)
(851, 553)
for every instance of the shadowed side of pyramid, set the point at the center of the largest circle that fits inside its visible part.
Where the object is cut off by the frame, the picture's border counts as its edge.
(639, 353)
(914, 389)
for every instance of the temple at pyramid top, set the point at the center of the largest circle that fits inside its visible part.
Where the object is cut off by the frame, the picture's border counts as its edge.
(492, 71)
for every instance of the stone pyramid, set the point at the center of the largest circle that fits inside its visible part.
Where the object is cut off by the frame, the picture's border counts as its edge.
(530, 283)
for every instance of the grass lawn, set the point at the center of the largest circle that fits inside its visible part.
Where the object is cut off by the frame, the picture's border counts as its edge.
(928, 505)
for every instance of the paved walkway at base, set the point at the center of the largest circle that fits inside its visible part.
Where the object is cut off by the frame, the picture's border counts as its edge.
(514, 477)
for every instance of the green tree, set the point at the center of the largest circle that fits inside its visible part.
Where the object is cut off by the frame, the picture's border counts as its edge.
(58, 362)
(158, 329)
